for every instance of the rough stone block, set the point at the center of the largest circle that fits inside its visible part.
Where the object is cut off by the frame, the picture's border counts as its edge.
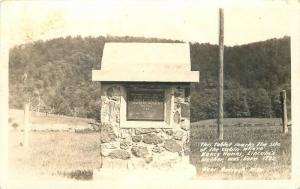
(139, 151)
(185, 125)
(178, 135)
(140, 131)
(179, 99)
(176, 117)
(169, 131)
(152, 139)
(148, 158)
(119, 154)
(105, 151)
(157, 149)
(111, 145)
(125, 145)
(125, 133)
(137, 138)
(172, 146)
(110, 111)
(107, 134)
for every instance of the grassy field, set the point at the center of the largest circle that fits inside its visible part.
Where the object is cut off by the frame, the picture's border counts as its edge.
(58, 145)
(240, 122)
(53, 153)
(279, 169)
(59, 152)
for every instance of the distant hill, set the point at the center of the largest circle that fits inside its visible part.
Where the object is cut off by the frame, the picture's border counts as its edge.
(254, 75)
(57, 76)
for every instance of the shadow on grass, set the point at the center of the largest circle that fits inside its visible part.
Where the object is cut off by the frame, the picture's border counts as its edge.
(78, 174)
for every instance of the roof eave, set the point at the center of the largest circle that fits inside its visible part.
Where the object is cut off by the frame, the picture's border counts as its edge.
(145, 76)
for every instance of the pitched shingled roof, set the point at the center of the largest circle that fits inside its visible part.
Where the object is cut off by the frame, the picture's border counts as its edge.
(151, 62)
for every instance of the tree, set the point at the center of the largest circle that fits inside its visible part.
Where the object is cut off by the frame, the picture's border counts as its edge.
(261, 104)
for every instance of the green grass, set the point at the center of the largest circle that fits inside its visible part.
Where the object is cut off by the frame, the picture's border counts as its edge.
(279, 169)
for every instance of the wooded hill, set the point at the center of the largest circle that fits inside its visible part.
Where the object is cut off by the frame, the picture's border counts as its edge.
(56, 75)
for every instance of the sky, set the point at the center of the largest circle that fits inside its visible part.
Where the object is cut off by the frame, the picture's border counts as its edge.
(190, 21)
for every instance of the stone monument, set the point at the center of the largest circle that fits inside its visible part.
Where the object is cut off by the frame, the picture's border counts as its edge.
(145, 112)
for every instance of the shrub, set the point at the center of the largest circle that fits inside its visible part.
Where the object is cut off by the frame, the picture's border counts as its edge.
(15, 125)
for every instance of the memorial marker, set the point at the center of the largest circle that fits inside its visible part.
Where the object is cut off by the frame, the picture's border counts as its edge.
(145, 112)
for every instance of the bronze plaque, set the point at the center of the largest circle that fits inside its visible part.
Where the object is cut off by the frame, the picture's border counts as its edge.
(145, 105)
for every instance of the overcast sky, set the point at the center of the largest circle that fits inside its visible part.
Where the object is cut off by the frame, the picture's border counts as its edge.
(183, 20)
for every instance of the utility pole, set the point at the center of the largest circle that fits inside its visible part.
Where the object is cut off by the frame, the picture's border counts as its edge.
(220, 69)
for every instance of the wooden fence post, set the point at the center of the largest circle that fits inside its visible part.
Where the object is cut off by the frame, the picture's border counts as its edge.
(284, 111)
(26, 124)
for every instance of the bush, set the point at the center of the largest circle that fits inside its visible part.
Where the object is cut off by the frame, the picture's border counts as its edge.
(15, 125)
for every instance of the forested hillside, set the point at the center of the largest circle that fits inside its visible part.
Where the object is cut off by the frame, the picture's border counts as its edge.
(56, 75)
(254, 75)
